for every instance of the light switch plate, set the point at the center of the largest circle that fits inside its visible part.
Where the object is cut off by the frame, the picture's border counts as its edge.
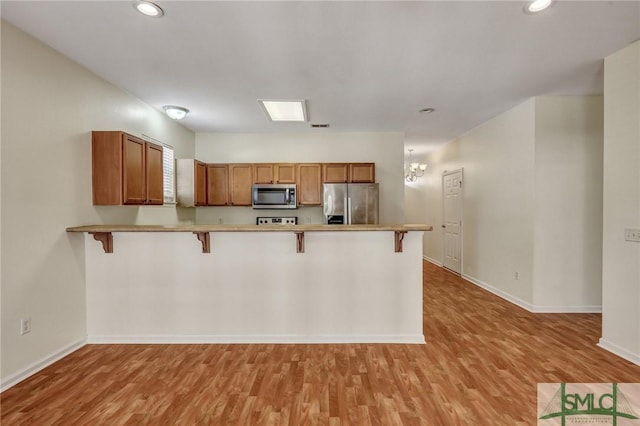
(632, 234)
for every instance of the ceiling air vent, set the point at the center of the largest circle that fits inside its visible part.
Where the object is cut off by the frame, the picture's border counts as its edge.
(320, 126)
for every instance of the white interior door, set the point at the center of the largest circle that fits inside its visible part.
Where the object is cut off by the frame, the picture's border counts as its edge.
(452, 218)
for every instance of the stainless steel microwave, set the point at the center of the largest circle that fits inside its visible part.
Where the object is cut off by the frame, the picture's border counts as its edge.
(274, 196)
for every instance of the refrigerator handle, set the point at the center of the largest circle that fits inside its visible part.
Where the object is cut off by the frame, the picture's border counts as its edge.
(349, 210)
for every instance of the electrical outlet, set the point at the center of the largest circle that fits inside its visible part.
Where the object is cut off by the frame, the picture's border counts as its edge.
(516, 275)
(632, 234)
(25, 326)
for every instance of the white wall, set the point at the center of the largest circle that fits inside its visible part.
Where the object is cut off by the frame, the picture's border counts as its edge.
(50, 105)
(498, 162)
(253, 287)
(384, 149)
(532, 202)
(620, 258)
(568, 202)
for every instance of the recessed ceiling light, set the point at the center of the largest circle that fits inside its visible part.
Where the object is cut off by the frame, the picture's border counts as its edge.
(175, 112)
(148, 8)
(537, 6)
(285, 110)
(427, 110)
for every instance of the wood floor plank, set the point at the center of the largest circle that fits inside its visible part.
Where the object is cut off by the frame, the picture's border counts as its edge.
(480, 366)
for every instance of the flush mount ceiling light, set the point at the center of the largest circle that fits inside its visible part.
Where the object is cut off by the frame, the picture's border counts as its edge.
(285, 110)
(175, 112)
(147, 8)
(536, 6)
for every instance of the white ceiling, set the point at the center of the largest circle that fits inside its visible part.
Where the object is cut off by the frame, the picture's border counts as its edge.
(362, 66)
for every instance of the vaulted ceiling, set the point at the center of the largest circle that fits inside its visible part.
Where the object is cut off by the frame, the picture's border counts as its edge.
(361, 66)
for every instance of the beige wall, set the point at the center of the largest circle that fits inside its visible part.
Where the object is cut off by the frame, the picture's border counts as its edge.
(532, 203)
(497, 158)
(50, 105)
(568, 202)
(621, 259)
(384, 149)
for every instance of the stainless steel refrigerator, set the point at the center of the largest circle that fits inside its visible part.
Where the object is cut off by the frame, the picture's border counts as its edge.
(350, 203)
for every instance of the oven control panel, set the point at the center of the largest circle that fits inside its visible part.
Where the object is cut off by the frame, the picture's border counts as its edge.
(290, 220)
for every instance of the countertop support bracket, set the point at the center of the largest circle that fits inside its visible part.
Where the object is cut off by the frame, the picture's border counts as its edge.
(106, 238)
(299, 242)
(399, 236)
(205, 239)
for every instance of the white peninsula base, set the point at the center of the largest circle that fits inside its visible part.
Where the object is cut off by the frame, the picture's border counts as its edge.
(253, 287)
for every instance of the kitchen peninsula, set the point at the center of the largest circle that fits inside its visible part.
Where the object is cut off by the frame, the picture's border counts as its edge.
(253, 284)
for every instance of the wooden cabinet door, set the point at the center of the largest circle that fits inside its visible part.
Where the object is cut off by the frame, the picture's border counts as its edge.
(362, 172)
(263, 173)
(133, 171)
(240, 182)
(285, 173)
(335, 172)
(154, 174)
(106, 167)
(309, 184)
(200, 184)
(217, 185)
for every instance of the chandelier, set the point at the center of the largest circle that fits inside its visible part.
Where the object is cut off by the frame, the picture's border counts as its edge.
(413, 171)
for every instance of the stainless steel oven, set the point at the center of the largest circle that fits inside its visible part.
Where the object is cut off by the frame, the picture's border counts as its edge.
(274, 196)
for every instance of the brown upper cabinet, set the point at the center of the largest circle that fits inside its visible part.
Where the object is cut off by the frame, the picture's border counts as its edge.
(362, 172)
(263, 173)
(309, 184)
(240, 182)
(349, 172)
(191, 177)
(274, 173)
(125, 169)
(200, 183)
(335, 172)
(217, 185)
(285, 173)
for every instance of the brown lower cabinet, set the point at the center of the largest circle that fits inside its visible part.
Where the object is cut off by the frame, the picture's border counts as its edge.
(125, 169)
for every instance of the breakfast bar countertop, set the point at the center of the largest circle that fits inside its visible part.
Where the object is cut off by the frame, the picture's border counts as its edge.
(249, 228)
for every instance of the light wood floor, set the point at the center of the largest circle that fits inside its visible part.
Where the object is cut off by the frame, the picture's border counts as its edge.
(480, 366)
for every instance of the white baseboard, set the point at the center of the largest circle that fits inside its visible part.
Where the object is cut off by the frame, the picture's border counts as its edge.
(32, 369)
(218, 339)
(504, 295)
(536, 309)
(588, 309)
(619, 351)
(435, 262)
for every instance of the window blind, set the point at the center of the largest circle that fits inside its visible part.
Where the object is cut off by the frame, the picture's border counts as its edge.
(168, 173)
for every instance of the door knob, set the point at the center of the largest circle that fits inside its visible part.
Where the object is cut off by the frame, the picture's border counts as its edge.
(444, 226)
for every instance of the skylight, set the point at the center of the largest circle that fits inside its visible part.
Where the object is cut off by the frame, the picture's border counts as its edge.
(285, 110)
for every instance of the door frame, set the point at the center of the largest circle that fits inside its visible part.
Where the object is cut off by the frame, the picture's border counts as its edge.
(461, 233)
